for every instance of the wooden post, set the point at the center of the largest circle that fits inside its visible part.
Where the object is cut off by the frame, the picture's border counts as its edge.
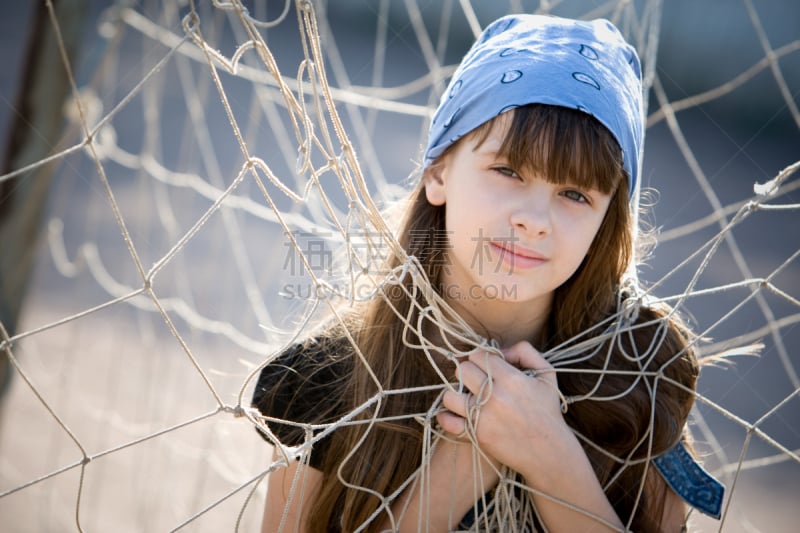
(34, 132)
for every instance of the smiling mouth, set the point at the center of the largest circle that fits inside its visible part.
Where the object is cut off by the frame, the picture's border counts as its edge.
(518, 258)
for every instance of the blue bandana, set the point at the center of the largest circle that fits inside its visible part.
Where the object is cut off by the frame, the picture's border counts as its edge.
(528, 59)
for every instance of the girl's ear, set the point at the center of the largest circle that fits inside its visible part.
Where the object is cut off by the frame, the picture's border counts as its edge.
(434, 184)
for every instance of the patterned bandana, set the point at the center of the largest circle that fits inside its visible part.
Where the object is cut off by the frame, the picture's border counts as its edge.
(527, 59)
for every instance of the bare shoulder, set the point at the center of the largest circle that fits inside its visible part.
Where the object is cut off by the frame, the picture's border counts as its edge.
(291, 491)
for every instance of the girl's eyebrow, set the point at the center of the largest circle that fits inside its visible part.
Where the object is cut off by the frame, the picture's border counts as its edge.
(489, 148)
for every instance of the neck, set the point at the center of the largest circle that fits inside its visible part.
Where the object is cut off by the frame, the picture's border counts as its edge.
(507, 322)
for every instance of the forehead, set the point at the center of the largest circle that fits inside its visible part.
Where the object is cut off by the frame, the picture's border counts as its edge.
(490, 137)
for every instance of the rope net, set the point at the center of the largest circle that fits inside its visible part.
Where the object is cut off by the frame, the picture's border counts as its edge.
(209, 207)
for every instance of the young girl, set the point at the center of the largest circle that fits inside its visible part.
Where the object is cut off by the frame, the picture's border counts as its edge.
(529, 190)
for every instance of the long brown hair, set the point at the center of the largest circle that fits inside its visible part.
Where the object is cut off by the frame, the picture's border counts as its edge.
(563, 145)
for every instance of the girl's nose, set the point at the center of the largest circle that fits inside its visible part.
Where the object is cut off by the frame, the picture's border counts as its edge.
(533, 216)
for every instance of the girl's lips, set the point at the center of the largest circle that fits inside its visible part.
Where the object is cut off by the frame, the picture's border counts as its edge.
(517, 257)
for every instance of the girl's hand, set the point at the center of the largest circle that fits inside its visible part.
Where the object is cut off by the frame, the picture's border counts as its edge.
(516, 417)
(518, 422)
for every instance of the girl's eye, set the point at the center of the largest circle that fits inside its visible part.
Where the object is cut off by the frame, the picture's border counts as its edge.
(576, 196)
(505, 171)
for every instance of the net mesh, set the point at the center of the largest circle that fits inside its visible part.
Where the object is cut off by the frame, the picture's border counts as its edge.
(209, 206)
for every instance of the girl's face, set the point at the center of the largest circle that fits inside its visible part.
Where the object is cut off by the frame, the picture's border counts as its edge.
(512, 236)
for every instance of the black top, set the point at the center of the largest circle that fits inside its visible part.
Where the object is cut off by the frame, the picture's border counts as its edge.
(297, 387)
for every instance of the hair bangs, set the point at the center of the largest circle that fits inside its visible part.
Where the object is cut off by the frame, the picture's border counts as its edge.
(562, 145)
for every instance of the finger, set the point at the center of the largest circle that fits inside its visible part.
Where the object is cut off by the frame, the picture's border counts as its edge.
(451, 423)
(456, 402)
(523, 355)
(473, 378)
(490, 364)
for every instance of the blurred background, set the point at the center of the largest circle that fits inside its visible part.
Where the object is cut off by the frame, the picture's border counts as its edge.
(117, 409)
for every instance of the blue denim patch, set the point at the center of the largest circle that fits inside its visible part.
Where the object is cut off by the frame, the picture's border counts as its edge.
(691, 481)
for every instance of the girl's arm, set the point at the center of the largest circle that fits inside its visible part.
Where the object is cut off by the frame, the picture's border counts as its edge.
(572, 480)
(672, 508)
(307, 481)
(451, 490)
(673, 519)
(521, 425)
